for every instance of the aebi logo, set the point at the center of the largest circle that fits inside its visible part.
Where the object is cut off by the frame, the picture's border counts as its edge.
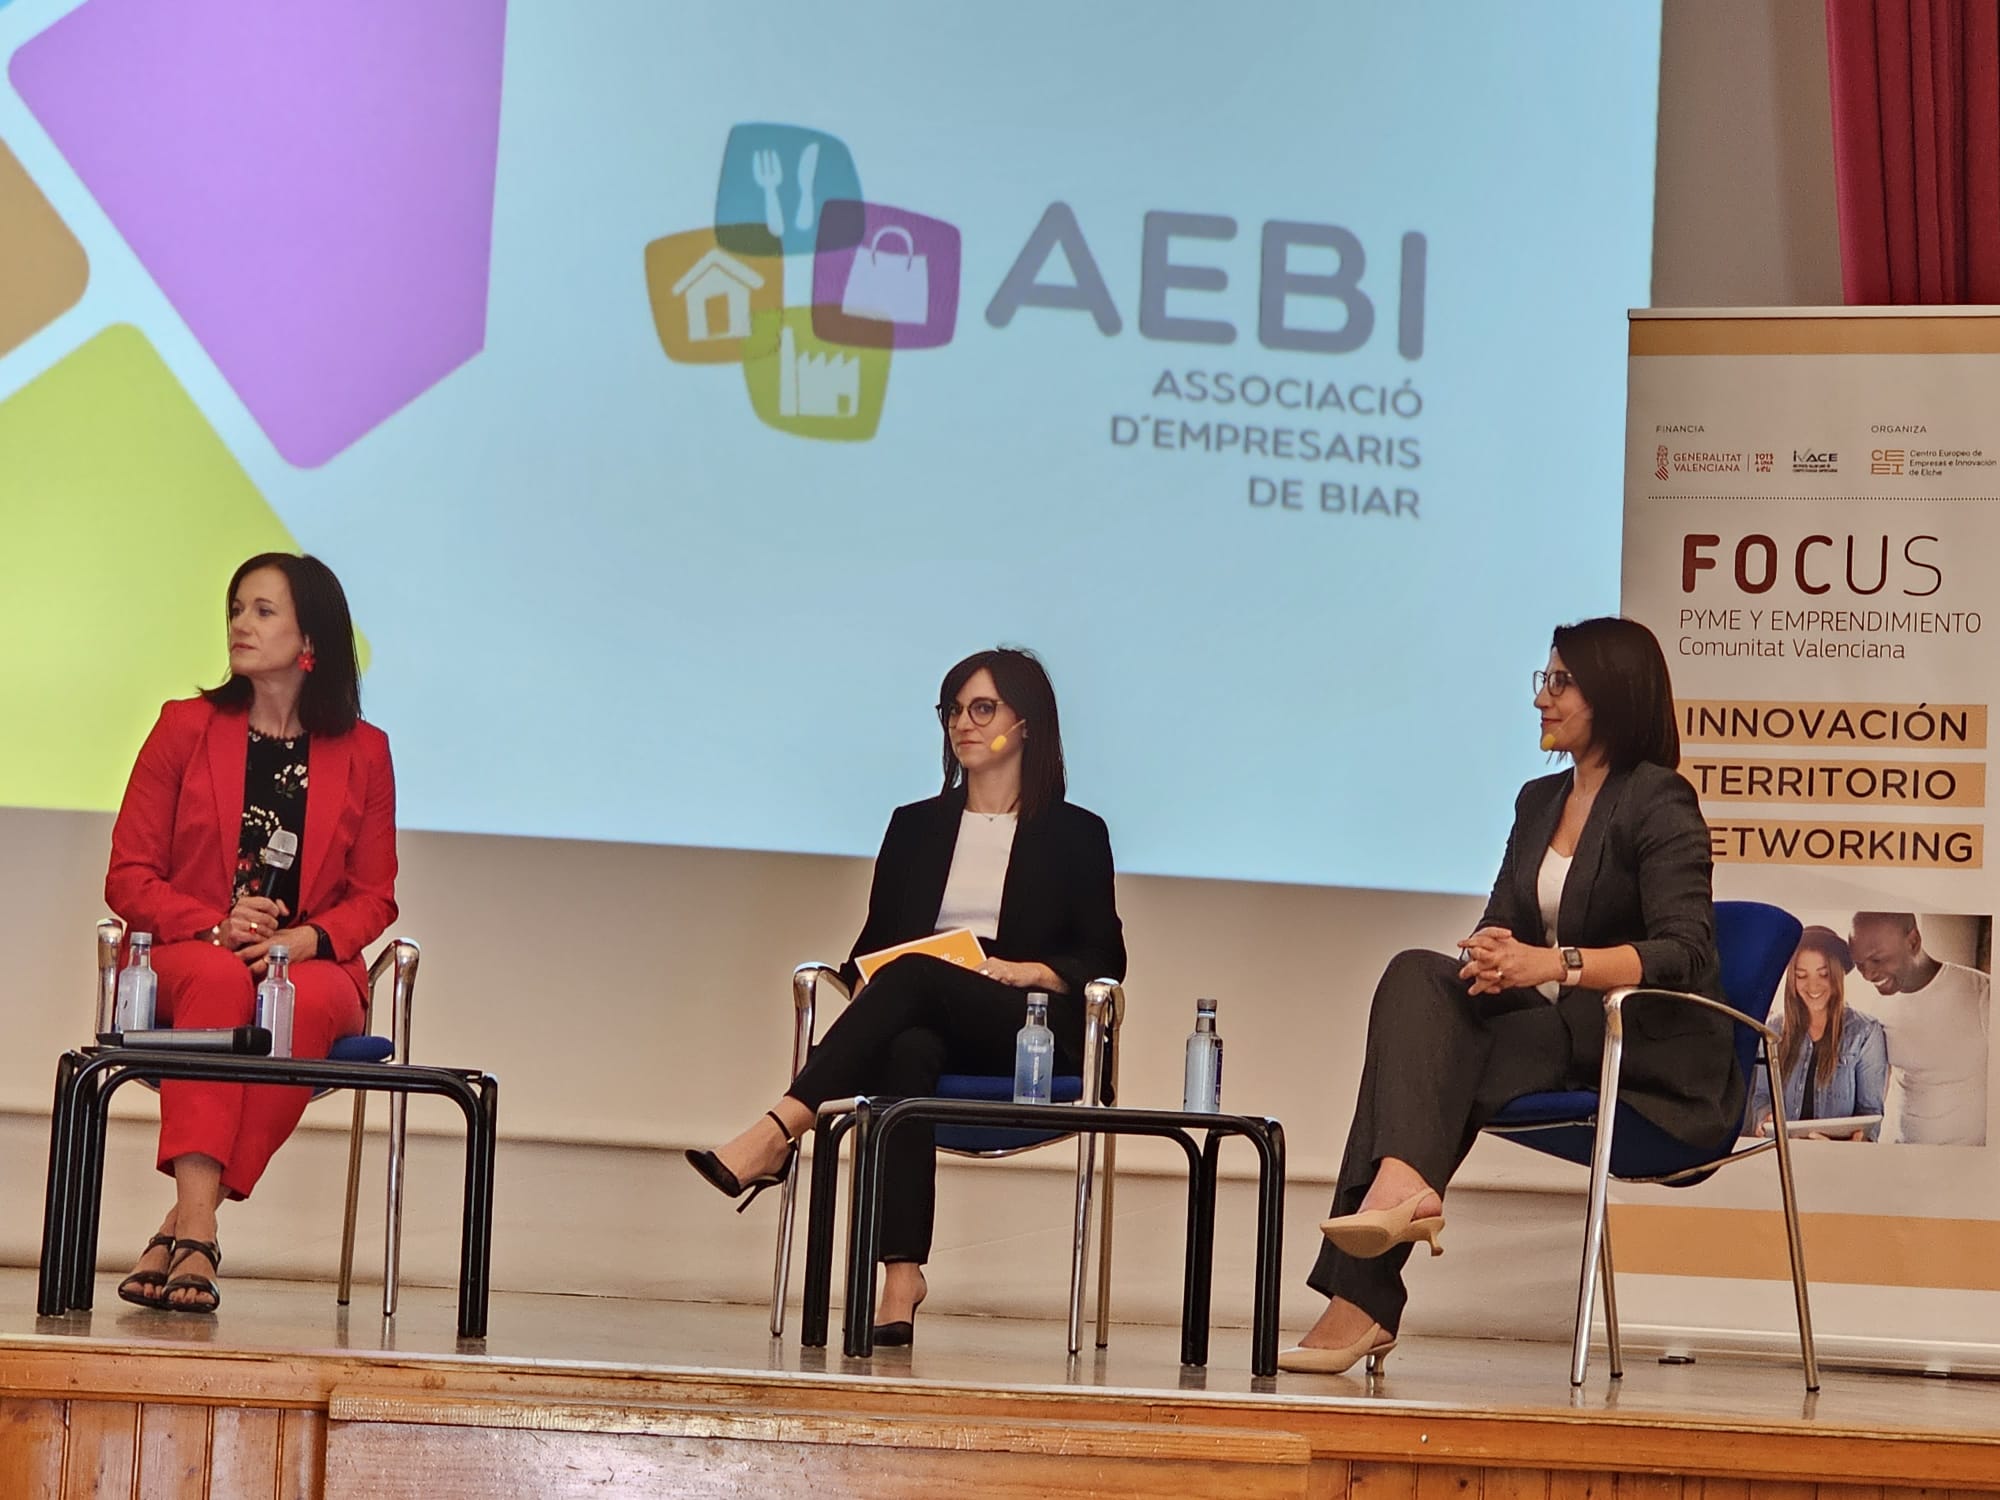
(811, 287)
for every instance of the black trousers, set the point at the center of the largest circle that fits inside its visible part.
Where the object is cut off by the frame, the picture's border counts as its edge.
(916, 1020)
(1439, 1064)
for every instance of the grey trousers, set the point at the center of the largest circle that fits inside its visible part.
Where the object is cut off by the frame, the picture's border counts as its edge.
(1439, 1064)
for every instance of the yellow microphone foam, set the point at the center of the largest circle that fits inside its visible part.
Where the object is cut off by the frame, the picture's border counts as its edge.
(1548, 742)
(997, 743)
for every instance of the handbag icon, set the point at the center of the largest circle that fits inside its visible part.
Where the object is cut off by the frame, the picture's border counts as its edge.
(886, 284)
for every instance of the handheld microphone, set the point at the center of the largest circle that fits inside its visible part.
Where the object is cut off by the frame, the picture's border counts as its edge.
(280, 849)
(999, 741)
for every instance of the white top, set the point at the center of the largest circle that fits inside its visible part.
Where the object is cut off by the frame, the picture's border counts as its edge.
(1937, 1055)
(1549, 882)
(978, 873)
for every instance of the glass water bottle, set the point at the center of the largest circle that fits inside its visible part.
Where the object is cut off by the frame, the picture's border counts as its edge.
(138, 987)
(1201, 1089)
(275, 1000)
(1035, 1055)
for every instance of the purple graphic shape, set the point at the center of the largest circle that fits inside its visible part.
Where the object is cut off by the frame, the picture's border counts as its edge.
(311, 185)
(900, 266)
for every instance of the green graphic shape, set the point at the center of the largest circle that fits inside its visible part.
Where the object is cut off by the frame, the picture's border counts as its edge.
(123, 516)
(799, 383)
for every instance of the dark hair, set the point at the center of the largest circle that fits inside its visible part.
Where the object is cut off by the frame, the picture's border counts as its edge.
(1622, 674)
(1797, 1025)
(330, 701)
(1025, 687)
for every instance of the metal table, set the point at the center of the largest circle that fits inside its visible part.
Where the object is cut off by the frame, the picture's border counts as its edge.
(87, 1078)
(871, 1120)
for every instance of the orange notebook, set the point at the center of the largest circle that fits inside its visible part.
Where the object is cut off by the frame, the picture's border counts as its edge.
(958, 946)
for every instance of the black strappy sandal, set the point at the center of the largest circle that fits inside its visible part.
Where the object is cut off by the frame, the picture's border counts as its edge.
(723, 1180)
(205, 1284)
(148, 1288)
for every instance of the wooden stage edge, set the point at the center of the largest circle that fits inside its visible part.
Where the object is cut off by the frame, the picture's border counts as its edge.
(89, 1414)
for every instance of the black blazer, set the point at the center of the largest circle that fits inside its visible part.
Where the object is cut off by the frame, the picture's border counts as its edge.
(1057, 906)
(1641, 875)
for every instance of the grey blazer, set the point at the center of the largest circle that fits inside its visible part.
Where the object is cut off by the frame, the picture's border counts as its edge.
(1641, 875)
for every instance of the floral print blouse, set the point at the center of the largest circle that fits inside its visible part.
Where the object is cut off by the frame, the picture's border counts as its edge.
(274, 797)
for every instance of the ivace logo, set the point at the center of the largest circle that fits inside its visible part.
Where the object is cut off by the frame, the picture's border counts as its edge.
(804, 283)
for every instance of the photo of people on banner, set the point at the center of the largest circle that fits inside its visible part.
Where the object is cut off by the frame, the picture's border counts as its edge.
(1885, 1018)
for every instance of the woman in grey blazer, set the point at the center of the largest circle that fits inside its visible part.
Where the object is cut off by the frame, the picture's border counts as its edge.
(1605, 883)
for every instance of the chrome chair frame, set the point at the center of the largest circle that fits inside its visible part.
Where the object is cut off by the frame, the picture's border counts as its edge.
(1597, 1232)
(1104, 1013)
(399, 958)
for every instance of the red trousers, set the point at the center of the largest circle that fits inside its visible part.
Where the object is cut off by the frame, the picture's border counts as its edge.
(242, 1125)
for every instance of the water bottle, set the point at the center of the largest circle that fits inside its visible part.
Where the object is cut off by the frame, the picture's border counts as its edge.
(1035, 1056)
(275, 999)
(138, 987)
(1201, 1091)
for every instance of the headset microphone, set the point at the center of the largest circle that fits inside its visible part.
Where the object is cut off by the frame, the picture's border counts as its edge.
(999, 741)
(1548, 740)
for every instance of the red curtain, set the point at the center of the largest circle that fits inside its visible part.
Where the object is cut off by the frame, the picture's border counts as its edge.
(1916, 148)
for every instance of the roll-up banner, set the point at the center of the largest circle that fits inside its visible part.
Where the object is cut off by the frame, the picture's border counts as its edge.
(1812, 529)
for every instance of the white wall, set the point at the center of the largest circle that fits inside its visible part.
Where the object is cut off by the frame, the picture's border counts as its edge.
(1743, 201)
(635, 1000)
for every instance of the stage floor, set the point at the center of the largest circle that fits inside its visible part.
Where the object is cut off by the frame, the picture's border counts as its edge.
(676, 1341)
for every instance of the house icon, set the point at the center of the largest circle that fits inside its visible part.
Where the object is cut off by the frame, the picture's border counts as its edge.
(717, 277)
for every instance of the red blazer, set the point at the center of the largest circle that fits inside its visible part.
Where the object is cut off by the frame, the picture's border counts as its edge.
(173, 848)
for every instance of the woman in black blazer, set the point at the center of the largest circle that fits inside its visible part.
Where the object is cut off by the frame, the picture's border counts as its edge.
(998, 851)
(1605, 883)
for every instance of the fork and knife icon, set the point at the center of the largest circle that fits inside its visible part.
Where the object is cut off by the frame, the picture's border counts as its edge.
(767, 170)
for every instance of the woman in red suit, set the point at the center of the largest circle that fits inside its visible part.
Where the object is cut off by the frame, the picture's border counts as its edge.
(280, 745)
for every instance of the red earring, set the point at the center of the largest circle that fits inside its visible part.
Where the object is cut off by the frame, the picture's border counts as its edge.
(306, 662)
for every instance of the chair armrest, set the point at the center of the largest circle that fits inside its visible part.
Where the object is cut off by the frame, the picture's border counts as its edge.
(1103, 1014)
(1104, 1001)
(1614, 1001)
(1614, 1046)
(400, 957)
(110, 938)
(806, 982)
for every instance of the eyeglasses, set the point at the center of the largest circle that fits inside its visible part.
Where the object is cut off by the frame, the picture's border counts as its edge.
(1556, 683)
(979, 710)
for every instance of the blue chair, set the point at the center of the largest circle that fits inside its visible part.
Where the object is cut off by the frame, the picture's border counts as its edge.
(1756, 943)
(398, 958)
(1104, 1013)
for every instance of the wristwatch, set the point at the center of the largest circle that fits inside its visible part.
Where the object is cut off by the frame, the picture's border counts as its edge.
(1572, 965)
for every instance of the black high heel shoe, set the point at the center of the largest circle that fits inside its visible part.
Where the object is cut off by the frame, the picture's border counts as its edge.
(723, 1180)
(902, 1333)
